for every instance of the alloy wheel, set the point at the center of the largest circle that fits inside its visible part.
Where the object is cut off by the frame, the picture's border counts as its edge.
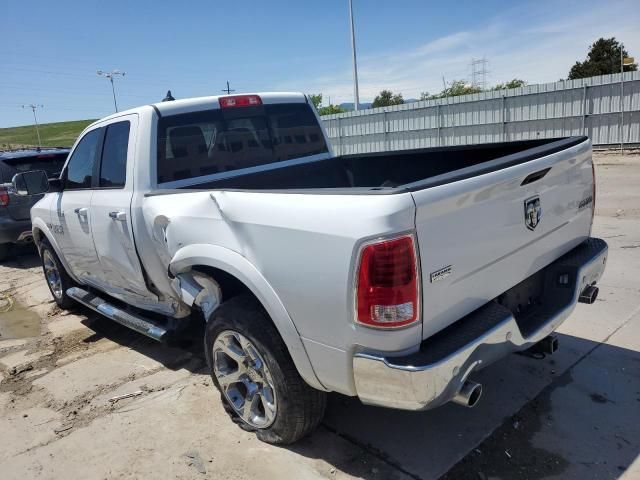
(244, 378)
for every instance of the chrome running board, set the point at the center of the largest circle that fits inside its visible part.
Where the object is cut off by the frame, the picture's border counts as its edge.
(141, 325)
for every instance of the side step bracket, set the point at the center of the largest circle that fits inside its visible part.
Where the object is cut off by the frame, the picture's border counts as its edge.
(140, 324)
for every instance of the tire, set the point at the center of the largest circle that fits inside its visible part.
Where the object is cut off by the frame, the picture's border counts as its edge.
(299, 408)
(51, 266)
(4, 251)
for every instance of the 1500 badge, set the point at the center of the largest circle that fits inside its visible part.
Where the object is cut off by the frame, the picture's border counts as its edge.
(56, 229)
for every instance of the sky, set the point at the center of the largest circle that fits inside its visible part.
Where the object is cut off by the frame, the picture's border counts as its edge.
(50, 50)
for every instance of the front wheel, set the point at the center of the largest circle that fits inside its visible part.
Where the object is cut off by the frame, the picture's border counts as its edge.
(56, 276)
(260, 387)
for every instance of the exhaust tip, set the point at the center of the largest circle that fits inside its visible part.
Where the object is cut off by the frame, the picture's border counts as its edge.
(589, 295)
(469, 394)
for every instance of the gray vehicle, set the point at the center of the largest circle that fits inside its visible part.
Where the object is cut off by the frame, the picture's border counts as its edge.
(15, 218)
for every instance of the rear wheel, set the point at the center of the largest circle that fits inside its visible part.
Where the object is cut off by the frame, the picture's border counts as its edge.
(56, 276)
(260, 386)
(4, 251)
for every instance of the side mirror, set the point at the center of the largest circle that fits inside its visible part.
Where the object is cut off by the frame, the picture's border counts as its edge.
(35, 182)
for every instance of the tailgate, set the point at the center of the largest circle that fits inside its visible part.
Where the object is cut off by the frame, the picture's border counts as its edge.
(482, 235)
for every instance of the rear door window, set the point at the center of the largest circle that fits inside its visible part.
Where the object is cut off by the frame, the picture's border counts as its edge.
(113, 166)
(82, 162)
(196, 144)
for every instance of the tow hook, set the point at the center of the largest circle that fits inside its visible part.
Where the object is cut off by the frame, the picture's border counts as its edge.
(546, 346)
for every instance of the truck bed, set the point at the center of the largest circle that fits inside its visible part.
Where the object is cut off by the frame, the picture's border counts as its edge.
(390, 172)
(470, 213)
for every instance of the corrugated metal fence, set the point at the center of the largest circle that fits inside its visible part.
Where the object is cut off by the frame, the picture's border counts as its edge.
(589, 106)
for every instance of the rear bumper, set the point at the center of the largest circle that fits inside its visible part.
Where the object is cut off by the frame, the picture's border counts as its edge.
(435, 373)
(14, 231)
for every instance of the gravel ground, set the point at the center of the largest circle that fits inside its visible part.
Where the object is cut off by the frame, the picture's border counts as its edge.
(573, 415)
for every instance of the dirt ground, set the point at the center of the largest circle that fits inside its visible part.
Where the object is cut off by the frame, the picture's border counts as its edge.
(82, 397)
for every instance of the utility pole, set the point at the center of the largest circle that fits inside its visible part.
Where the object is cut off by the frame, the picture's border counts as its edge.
(35, 119)
(110, 76)
(356, 95)
(228, 89)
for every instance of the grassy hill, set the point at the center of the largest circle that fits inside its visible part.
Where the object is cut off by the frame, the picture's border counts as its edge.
(61, 134)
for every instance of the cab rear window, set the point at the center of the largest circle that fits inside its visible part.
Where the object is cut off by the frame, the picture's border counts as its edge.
(198, 144)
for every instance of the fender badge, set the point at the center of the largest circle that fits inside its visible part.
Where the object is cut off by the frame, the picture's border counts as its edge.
(441, 274)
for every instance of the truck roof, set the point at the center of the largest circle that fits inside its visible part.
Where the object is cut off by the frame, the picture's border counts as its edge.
(204, 103)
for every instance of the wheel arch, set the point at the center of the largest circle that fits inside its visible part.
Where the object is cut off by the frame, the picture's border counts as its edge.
(41, 232)
(235, 274)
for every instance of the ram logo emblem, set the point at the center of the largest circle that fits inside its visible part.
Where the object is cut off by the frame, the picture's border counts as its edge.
(532, 212)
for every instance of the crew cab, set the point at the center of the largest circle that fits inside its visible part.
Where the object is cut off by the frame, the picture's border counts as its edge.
(391, 276)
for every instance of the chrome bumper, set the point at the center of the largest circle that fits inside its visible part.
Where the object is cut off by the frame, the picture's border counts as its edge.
(436, 373)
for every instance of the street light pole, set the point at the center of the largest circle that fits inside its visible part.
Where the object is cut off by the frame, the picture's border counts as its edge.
(356, 96)
(110, 76)
(35, 119)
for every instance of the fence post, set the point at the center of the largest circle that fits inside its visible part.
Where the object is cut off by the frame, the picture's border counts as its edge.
(584, 109)
(439, 121)
(504, 118)
(340, 152)
(621, 105)
(384, 127)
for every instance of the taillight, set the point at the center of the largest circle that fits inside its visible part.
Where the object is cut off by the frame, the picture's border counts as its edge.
(387, 289)
(239, 101)
(4, 197)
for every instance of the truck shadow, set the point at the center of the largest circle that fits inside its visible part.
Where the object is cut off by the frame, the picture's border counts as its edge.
(573, 415)
(569, 415)
(22, 257)
(184, 351)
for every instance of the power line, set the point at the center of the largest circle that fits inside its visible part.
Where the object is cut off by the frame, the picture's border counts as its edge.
(479, 72)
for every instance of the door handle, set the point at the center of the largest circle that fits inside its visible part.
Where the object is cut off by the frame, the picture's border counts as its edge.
(81, 211)
(118, 216)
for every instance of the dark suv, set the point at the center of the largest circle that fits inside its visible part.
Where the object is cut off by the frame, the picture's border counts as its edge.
(15, 218)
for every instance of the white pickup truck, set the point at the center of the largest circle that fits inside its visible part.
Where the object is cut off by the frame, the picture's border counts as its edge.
(389, 276)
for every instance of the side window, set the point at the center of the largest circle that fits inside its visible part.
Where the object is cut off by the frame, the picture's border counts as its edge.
(113, 169)
(80, 166)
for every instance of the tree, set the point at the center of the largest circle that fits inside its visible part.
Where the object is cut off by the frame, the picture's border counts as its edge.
(330, 110)
(455, 88)
(515, 83)
(316, 99)
(386, 98)
(603, 58)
